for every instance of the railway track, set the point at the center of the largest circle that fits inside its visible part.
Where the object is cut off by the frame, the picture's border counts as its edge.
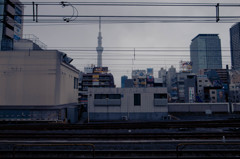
(220, 150)
(120, 136)
(125, 125)
(181, 139)
(124, 154)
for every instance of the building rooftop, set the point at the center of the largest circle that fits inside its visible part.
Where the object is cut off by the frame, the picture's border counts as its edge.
(35, 40)
(204, 35)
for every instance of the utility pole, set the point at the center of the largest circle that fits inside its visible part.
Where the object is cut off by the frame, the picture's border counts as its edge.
(228, 90)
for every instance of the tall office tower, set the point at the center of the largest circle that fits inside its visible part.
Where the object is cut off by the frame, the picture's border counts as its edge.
(11, 15)
(99, 48)
(205, 52)
(235, 45)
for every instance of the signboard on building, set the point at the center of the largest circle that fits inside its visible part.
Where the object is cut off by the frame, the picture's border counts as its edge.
(139, 74)
(95, 83)
(191, 94)
(100, 69)
(18, 18)
(150, 79)
(95, 78)
(185, 66)
(150, 71)
(158, 80)
(88, 69)
(220, 95)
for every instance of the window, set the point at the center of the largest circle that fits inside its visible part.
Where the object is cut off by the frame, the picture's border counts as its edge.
(100, 96)
(181, 83)
(200, 81)
(75, 83)
(107, 96)
(137, 99)
(114, 96)
(160, 96)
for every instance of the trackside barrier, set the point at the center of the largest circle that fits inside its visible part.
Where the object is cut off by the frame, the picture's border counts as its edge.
(30, 145)
(183, 145)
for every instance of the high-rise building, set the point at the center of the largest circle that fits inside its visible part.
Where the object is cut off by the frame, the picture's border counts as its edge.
(162, 74)
(171, 81)
(235, 45)
(180, 83)
(11, 15)
(205, 52)
(190, 88)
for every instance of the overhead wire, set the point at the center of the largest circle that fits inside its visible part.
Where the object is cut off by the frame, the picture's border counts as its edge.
(49, 20)
(135, 4)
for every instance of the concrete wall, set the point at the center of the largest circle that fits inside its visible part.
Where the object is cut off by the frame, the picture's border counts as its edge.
(99, 110)
(235, 107)
(33, 113)
(68, 93)
(198, 107)
(35, 78)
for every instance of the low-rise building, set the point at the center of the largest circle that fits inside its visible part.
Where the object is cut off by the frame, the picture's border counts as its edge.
(33, 82)
(139, 104)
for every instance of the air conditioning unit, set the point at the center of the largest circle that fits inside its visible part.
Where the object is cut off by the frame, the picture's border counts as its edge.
(124, 118)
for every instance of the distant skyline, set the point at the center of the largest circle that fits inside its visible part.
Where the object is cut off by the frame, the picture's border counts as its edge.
(156, 44)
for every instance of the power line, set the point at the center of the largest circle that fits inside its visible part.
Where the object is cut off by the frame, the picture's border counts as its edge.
(93, 19)
(168, 4)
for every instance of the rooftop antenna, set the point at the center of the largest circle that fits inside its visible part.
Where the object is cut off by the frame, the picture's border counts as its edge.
(134, 53)
(100, 24)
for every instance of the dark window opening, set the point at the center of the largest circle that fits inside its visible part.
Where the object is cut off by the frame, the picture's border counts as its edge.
(160, 96)
(137, 99)
(75, 83)
(114, 96)
(107, 96)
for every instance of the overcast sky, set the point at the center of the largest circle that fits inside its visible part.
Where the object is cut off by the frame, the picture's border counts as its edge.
(156, 44)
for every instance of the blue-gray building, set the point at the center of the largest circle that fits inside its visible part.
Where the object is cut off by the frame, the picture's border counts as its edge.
(11, 26)
(205, 52)
(123, 79)
(235, 45)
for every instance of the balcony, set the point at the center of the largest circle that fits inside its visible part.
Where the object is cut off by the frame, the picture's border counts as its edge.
(160, 102)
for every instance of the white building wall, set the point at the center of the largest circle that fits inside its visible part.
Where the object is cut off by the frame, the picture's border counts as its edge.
(127, 107)
(33, 78)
